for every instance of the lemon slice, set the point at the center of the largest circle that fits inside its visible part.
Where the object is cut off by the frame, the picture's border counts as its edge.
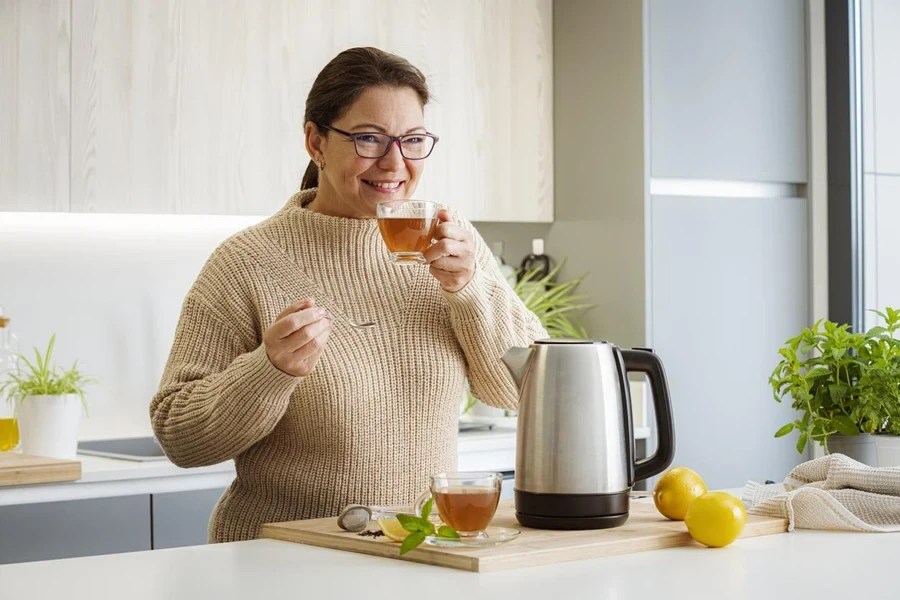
(393, 529)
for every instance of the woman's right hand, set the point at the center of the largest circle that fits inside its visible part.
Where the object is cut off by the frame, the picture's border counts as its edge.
(295, 341)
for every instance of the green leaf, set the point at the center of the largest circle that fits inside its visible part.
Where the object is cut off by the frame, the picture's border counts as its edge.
(447, 532)
(784, 430)
(837, 392)
(411, 541)
(553, 302)
(413, 523)
(816, 372)
(426, 510)
(42, 377)
(845, 425)
(801, 443)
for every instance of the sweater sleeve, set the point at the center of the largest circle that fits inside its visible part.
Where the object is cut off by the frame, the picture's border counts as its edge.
(488, 319)
(219, 392)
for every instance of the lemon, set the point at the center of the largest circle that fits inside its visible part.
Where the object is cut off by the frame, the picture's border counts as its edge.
(675, 491)
(716, 519)
(393, 529)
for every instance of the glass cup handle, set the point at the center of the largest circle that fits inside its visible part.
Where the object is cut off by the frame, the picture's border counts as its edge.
(421, 500)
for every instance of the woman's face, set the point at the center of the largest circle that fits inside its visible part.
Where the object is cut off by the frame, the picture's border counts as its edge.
(350, 185)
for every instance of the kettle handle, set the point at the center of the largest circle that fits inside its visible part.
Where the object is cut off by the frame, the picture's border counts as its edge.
(645, 361)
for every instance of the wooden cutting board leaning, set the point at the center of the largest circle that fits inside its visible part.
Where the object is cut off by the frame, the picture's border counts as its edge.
(25, 469)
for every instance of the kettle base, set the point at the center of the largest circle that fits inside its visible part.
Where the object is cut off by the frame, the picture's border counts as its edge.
(571, 523)
(571, 511)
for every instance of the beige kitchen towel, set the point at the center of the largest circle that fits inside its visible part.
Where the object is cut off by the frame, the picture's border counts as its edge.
(831, 492)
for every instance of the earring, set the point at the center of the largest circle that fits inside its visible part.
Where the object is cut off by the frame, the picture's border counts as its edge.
(320, 163)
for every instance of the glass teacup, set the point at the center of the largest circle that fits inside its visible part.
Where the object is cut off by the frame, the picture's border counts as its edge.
(465, 501)
(407, 227)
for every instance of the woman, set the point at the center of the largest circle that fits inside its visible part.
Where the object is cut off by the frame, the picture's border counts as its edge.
(316, 414)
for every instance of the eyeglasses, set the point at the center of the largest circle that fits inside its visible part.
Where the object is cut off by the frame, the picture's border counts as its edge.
(414, 146)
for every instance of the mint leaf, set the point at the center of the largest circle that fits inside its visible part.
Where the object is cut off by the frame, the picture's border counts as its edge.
(411, 541)
(801, 443)
(447, 532)
(412, 523)
(845, 425)
(426, 510)
(784, 430)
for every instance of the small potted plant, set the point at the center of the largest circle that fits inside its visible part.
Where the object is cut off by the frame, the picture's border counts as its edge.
(555, 304)
(879, 397)
(48, 404)
(846, 387)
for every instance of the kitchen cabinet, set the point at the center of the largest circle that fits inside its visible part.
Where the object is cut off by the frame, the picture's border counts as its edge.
(72, 528)
(729, 286)
(182, 518)
(51, 530)
(670, 111)
(34, 105)
(197, 106)
(728, 89)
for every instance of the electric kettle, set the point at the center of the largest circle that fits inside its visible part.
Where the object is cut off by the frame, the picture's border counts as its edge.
(575, 461)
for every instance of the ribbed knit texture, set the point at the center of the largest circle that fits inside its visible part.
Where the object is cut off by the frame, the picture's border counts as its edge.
(831, 492)
(379, 413)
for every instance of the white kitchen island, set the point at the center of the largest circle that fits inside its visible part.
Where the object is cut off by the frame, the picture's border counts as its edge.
(803, 564)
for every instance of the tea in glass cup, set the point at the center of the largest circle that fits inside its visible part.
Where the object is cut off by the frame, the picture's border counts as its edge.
(465, 501)
(408, 228)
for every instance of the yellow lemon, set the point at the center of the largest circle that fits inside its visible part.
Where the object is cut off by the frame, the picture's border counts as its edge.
(676, 490)
(716, 519)
(393, 529)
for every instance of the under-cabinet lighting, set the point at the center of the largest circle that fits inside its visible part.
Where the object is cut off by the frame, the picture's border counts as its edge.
(49, 222)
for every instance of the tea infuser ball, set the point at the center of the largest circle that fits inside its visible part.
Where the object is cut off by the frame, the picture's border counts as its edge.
(354, 517)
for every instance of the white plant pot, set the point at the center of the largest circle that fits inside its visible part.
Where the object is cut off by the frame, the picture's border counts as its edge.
(887, 447)
(48, 425)
(860, 447)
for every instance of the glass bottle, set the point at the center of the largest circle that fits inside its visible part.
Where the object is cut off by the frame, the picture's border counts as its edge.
(9, 349)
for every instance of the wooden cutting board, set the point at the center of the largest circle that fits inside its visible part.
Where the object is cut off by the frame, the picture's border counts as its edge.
(23, 469)
(645, 530)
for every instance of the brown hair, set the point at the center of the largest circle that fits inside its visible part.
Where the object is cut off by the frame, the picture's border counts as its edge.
(345, 78)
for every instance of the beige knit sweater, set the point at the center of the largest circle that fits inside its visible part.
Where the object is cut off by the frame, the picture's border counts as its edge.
(379, 413)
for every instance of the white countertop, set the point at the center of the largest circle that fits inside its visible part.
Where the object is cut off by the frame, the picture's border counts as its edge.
(109, 477)
(799, 565)
(493, 450)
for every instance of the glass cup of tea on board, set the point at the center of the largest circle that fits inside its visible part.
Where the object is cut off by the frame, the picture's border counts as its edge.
(408, 228)
(465, 501)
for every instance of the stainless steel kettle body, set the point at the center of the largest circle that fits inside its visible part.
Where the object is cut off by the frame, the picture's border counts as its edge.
(575, 461)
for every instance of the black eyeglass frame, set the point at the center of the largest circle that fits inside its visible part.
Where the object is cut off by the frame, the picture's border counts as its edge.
(395, 139)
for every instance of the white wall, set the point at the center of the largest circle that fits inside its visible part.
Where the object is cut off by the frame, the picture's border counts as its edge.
(110, 287)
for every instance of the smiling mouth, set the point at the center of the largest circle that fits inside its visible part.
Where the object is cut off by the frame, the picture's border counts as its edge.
(385, 186)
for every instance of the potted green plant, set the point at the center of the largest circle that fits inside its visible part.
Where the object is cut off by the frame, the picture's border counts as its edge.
(48, 404)
(845, 386)
(879, 385)
(556, 305)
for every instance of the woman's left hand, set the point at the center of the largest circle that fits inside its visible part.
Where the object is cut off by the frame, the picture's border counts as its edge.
(452, 257)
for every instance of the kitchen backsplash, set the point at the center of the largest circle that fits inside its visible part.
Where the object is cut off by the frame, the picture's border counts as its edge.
(111, 289)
